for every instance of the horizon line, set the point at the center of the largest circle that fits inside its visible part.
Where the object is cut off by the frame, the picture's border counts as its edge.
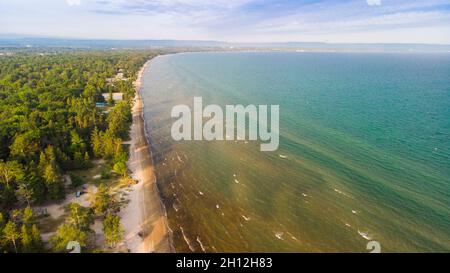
(3, 36)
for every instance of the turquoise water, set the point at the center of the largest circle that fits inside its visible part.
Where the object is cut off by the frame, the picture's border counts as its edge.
(364, 145)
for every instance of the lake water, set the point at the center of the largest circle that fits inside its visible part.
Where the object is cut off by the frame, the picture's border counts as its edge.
(364, 152)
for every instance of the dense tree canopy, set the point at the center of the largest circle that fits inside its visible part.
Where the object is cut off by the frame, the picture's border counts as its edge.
(50, 123)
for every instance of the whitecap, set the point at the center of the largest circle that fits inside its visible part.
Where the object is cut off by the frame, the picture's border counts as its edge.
(279, 235)
(341, 192)
(365, 235)
(292, 236)
(187, 240)
(282, 156)
(200, 243)
(201, 193)
(245, 218)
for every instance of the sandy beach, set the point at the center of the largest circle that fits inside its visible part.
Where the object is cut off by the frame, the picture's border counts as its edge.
(144, 219)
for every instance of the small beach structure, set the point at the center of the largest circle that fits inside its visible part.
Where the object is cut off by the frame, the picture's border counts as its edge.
(100, 104)
(119, 77)
(116, 96)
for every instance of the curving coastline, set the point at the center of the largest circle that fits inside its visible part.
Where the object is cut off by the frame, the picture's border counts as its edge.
(144, 219)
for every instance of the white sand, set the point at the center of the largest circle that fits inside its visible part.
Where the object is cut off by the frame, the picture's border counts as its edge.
(145, 213)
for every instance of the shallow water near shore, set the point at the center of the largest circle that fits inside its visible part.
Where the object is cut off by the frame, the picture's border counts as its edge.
(364, 152)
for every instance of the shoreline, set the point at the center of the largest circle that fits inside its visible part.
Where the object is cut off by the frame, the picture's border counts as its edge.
(144, 219)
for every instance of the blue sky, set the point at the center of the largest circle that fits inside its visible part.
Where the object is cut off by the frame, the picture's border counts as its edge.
(369, 21)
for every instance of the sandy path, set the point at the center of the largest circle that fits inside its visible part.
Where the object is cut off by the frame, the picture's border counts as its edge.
(145, 214)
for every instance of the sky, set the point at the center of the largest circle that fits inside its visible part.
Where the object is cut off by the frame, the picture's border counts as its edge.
(344, 21)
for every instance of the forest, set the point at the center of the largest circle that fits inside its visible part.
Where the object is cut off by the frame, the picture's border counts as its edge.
(51, 128)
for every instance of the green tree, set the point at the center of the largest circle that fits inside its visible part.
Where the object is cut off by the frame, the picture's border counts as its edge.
(121, 156)
(102, 200)
(27, 216)
(77, 143)
(119, 119)
(96, 143)
(111, 145)
(50, 174)
(24, 145)
(31, 240)
(2, 221)
(26, 242)
(78, 159)
(11, 235)
(65, 234)
(26, 192)
(79, 216)
(86, 157)
(112, 229)
(36, 238)
(89, 91)
(10, 171)
(54, 182)
(120, 168)
(34, 184)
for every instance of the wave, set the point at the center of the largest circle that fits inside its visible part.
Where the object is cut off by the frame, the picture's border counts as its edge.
(191, 247)
(179, 158)
(200, 243)
(365, 235)
(279, 235)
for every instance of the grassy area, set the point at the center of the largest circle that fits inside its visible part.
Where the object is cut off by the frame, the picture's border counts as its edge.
(50, 224)
(98, 174)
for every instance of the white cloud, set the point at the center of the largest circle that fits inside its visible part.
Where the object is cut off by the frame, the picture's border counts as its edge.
(231, 20)
(73, 2)
(373, 2)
